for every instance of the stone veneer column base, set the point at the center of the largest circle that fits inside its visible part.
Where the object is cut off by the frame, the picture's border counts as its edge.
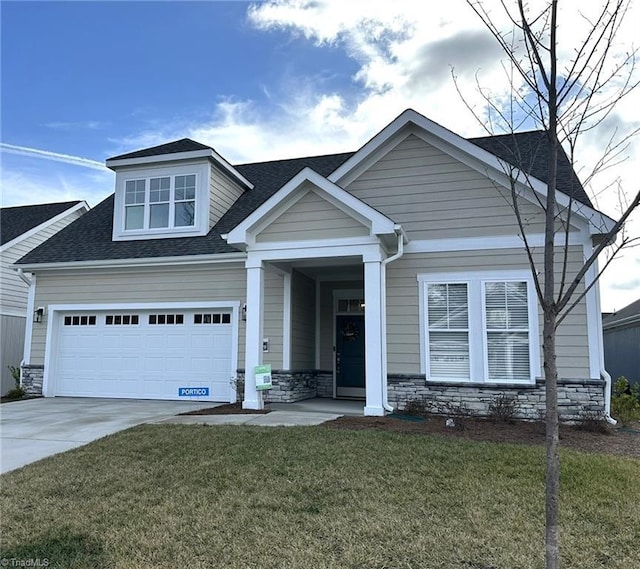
(290, 386)
(575, 396)
(31, 377)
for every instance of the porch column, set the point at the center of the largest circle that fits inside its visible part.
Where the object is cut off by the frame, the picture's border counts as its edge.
(373, 339)
(253, 349)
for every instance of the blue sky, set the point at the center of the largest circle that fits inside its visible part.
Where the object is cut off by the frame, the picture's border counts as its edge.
(83, 81)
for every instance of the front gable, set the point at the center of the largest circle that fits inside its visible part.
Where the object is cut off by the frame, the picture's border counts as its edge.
(308, 208)
(312, 216)
(434, 195)
(393, 157)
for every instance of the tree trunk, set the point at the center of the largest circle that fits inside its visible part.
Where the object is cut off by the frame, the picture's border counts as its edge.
(552, 440)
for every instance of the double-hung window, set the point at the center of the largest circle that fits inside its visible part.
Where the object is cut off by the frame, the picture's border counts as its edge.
(507, 330)
(163, 202)
(448, 313)
(479, 327)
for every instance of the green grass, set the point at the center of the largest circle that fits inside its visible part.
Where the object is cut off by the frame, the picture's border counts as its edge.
(240, 497)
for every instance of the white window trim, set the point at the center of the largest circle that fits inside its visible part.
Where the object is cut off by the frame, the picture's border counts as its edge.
(202, 198)
(478, 350)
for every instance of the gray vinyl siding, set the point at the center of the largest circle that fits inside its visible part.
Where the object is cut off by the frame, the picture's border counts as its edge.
(622, 352)
(13, 295)
(403, 340)
(223, 192)
(168, 284)
(434, 196)
(312, 217)
(273, 317)
(303, 321)
(327, 321)
(11, 348)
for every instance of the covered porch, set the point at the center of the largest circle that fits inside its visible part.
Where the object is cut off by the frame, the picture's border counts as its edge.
(332, 332)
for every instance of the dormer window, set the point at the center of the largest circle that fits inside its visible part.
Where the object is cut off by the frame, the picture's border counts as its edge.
(178, 189)
(160, 203)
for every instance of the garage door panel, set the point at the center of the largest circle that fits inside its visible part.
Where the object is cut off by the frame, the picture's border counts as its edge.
(111, 359)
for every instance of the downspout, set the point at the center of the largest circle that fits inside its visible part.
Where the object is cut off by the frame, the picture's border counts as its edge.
(26, 354)
(383, 311)
(603, 372)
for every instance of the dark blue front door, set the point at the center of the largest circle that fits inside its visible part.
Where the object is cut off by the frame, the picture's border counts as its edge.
(350, 356)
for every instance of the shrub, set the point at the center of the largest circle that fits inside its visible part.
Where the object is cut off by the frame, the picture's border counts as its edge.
(17, 392)
(415, 406)
(625, 403)
(503, 408)
(593, 422)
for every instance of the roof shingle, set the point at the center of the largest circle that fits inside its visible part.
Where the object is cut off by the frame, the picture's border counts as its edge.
(182, 145)
(89, 237)
(14, 221)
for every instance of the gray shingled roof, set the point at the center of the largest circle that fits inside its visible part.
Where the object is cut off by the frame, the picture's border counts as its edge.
(628, 314)
(89, 237)
(528, 150)
(14, 221)
(182, 145)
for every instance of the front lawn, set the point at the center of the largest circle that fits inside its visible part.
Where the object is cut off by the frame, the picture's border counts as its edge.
(312, 497)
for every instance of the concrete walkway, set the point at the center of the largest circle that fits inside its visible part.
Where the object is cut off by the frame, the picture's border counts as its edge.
(273, 419)
(302, 413)
(36, 428)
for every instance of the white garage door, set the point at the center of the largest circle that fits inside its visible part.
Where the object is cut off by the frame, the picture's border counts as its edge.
(150, 354)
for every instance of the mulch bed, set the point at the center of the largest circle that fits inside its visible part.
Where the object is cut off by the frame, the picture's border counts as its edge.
(228, 409)
(623, 442)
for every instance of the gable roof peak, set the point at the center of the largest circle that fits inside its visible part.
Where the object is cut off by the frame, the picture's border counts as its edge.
(180, 145)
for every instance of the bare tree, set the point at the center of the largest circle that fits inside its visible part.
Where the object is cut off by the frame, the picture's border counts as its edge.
(565, 98)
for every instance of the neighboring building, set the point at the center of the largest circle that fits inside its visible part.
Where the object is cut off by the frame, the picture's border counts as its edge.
(23, 228)
(387, 274)
(621, 331)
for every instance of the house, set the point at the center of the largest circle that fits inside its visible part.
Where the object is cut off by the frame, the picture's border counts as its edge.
(390, 273)
(23, 228)
(621, 331)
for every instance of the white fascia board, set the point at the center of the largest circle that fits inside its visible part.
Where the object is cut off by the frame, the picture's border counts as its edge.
(469, 154)
(380, 224)
(71, 307)
(487, 242)
(175, 156)
(143, 262)
(45, 224)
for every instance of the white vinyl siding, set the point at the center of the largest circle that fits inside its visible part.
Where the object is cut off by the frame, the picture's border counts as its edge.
(142, 285)
(403, 339)
(312, 217)
(434, 196)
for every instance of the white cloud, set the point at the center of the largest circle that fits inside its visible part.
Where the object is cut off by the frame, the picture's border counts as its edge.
(20, 186)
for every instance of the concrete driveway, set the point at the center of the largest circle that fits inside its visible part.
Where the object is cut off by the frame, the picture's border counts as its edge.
(37, 428)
